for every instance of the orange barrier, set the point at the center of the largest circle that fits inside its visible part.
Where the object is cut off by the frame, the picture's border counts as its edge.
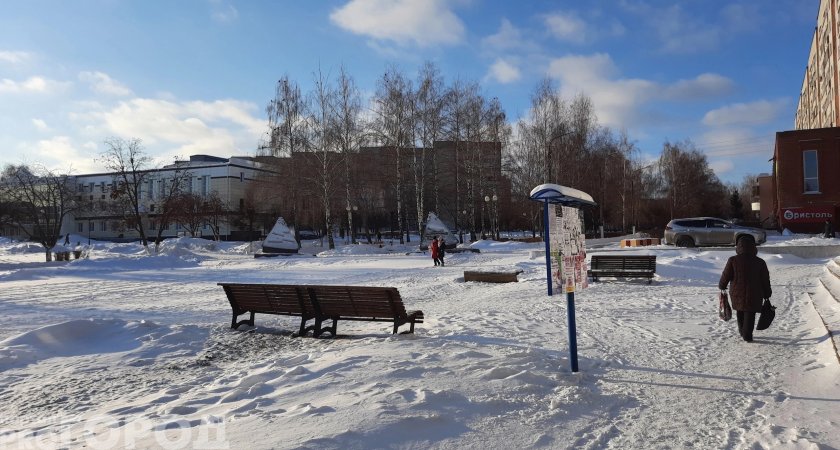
(639, 242)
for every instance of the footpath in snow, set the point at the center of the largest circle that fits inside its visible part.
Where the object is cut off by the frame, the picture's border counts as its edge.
(125, 350)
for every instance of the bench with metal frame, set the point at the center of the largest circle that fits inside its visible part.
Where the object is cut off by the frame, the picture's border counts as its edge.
(622, 266)
(320, 304)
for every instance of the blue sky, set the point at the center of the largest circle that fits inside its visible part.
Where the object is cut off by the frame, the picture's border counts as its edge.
(194, 76)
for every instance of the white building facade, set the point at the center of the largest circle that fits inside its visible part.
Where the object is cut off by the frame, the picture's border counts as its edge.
(228, 178)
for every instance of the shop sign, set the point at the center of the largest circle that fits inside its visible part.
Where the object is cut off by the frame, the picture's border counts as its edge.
(808, 214)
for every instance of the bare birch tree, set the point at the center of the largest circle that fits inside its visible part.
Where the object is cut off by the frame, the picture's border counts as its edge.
(161, 201)
(323, 148)
(38, 201)
(393, 127)
(288, 134)
(429, 123)
(130, 165)
(349, 132)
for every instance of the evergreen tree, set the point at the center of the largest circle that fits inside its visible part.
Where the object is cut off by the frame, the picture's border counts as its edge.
(736, 206)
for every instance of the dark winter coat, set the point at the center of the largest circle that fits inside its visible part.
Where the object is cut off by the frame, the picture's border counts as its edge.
(747, 277)
(442, 249)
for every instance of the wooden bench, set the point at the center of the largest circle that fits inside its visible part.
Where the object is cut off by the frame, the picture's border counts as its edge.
(321, 303)
(278, 299)
(360, 303)
(492, 277)
(622, 266)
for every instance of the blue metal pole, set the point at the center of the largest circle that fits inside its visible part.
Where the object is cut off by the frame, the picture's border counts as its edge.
(547, 247)
(570, 312)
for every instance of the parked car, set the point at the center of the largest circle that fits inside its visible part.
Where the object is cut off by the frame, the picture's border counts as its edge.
(308, 234)
(695, 231)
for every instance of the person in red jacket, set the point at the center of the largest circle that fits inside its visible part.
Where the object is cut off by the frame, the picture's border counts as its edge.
(749, 284)
(433, 247)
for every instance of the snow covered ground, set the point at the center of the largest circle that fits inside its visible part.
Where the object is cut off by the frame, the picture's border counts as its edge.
(125, 350)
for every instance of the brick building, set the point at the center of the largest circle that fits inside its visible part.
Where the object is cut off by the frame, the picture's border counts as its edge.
(806, 184)
(456, 179)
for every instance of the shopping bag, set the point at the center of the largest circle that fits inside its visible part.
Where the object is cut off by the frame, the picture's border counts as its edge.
(724, 310)
(768, 313)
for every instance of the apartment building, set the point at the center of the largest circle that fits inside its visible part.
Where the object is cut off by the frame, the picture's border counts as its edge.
(819, 106)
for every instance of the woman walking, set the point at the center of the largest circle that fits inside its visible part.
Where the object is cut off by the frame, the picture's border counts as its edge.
(749, 284)
(441, 249)
(433, 248)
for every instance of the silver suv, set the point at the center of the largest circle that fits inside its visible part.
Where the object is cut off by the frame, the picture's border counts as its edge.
(709, 231)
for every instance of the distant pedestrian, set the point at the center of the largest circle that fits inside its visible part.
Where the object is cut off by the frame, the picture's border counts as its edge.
(441, 249)
(749, 281)
(434, 249)
(67, 239)
(828, 231)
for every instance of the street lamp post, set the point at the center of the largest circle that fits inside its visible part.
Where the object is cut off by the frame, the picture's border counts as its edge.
(461, 228)
(495, 212)
(488, 206)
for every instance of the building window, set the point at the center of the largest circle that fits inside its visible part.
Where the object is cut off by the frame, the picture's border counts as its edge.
(103, 226)
(80, 228)
(90, 226)
(205, 181)
(810, 169)
(241, 176)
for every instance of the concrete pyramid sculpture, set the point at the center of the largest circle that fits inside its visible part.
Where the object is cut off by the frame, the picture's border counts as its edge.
(436, 227)
(280, 239)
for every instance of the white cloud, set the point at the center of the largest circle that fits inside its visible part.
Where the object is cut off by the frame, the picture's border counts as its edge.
(754, 113)
(566, 27)
(504, 72)
(223, 12)
(39, 85)
(13, 57)
(60, 154)
(169, 129)
(730, 148)
(423, 23)
(40, 125)
(703, 86)
(507, 38)
(619, 102)
(722, 166)
(683, 31)
(101, 83)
